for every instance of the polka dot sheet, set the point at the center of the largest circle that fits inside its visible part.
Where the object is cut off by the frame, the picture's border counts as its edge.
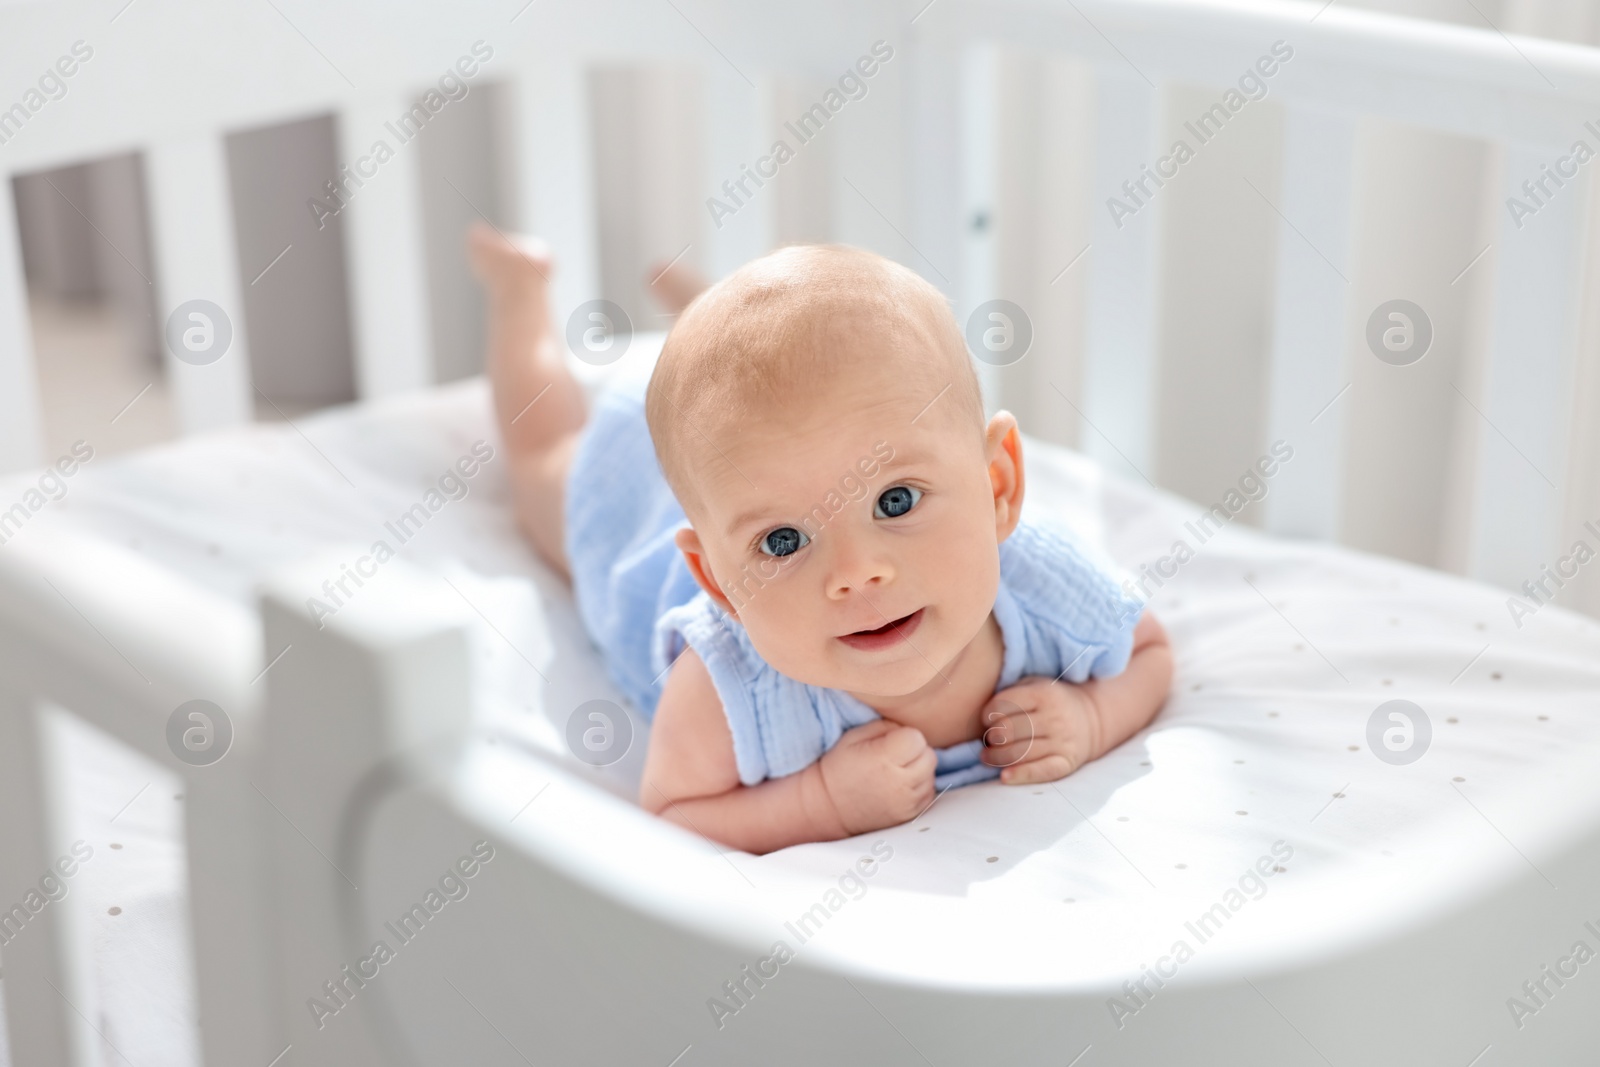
(1286, 653)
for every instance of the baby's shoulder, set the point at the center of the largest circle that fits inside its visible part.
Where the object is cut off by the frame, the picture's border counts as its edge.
(1034, 548)
(1054, 573)
(700, 624)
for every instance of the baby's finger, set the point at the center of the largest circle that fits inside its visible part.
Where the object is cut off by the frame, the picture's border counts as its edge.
(903, 744)
(1024, 696)
(1009, 729)
(1001, 709)
(1009, 754)
(1044, 769)
(868, 731)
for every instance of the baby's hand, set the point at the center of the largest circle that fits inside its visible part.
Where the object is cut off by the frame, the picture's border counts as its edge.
(1039, 730)
(878, 775)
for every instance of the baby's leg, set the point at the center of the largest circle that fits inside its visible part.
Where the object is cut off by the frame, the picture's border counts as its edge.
(675, 285)
(537, 401)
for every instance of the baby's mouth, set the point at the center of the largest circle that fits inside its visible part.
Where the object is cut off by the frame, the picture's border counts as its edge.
(890, 633)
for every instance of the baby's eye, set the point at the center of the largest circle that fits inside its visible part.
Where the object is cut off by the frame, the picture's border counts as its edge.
(783, 541)
(895, 502)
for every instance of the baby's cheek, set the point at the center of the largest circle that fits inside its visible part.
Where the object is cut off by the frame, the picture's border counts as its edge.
(781, 634)
(967, 561)
(968, 586)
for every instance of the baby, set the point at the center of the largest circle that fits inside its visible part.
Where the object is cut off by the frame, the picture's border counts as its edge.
(801, 551)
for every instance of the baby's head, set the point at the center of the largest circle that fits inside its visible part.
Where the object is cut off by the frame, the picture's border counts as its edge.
(820, 421)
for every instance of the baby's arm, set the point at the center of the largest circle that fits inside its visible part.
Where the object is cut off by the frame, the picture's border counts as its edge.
(877, 775)
(1052, 728)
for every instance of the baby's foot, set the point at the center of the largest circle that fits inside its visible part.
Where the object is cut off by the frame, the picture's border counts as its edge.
(675, 285)
(508, 265)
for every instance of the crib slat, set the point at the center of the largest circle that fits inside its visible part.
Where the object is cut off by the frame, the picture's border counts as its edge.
(934, 94)
(49, 976)
(1043, 214)
(1583, 451)
(197, 258)
(1308, 324)
(230, 901)
(1522, 432)
(19, 390)
(383, 232)
(870, 185)
(1118, 400)
(548, 130)
(981, 143)
(739, 134)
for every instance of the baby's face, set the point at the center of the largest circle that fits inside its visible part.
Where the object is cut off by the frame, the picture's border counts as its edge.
(854, 533)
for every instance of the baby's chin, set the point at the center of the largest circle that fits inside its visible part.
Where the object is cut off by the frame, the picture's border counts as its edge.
(894, 672)
(885, 682)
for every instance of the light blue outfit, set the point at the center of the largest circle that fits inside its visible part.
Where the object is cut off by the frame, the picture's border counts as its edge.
(1060, 615)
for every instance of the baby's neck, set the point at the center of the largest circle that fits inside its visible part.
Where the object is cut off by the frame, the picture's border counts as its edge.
(947, 710)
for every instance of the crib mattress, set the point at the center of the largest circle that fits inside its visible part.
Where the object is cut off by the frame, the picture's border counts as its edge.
(1261, 789)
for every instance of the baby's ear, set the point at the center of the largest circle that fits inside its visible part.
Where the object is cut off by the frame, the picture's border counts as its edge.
(1003, 448)
(694, 554)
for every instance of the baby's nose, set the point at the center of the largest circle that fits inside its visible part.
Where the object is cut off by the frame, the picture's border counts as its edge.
(859, 571)
(843, 587)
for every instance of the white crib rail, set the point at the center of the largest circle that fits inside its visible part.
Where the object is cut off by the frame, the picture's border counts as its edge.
(154, 643)
(172, 79)
(383, 685)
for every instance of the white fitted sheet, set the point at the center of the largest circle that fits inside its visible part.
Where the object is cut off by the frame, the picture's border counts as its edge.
(1283, 651)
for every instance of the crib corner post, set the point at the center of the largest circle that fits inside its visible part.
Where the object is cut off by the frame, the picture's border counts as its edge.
(360, 681)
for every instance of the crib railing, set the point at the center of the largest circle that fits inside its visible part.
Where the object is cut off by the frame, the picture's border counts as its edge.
(154, 643)
(920, 179)
(299, 748)
(1508, 432)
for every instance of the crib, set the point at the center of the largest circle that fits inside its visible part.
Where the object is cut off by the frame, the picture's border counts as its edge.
(358, 779)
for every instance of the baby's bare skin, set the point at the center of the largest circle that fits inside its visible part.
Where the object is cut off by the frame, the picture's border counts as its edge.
(886, 405)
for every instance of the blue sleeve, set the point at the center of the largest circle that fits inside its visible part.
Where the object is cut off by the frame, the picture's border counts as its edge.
(1075, 622)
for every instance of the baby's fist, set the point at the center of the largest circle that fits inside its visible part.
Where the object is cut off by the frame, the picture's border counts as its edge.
(878, 775)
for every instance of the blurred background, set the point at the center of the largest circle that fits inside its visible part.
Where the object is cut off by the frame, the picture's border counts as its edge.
(1429, 207)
